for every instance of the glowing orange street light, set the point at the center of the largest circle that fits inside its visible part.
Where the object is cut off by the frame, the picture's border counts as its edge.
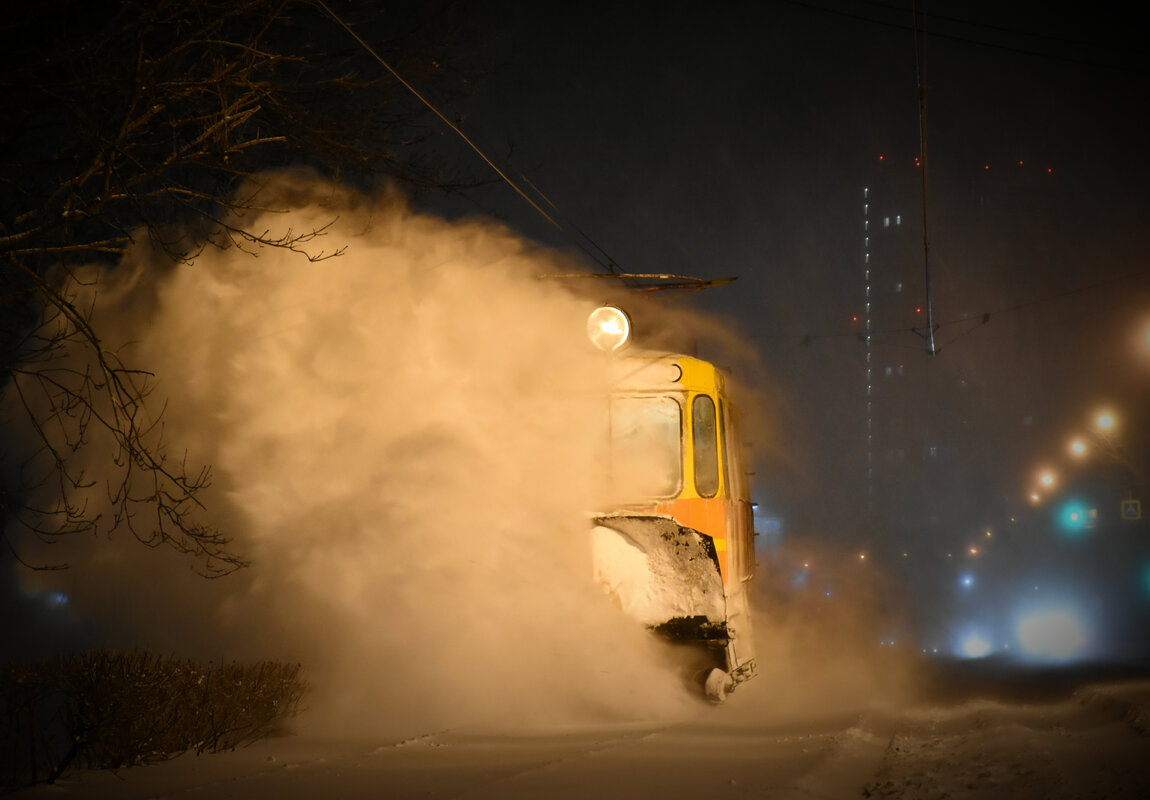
(1077, 447)
(1047, 478)
(1105, 420)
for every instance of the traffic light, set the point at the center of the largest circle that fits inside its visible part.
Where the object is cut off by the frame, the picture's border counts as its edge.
(1075, 517)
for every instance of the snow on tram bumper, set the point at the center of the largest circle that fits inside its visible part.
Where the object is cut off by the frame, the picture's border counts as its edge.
(662, 574)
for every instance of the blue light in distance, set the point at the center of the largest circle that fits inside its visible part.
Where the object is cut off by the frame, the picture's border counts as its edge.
(1052, 632)
(972, 641)
(975, 645)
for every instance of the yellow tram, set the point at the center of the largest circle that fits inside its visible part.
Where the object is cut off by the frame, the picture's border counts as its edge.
(675, 544)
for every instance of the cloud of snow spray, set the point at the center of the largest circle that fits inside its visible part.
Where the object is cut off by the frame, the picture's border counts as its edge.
(404, 441)
(832, 629)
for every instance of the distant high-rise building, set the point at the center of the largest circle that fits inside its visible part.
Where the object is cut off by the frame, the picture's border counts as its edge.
(992, 230)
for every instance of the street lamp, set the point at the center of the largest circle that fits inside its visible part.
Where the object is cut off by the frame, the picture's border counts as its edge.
(1105, 421)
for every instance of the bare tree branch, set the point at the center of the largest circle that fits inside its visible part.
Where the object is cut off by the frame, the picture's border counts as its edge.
(153, 118)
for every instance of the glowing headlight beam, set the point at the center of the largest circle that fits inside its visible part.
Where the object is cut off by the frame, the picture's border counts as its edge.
(609, 328)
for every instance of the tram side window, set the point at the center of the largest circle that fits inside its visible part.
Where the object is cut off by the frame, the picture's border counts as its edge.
(732, 485)
(646, 454)
(705, 439)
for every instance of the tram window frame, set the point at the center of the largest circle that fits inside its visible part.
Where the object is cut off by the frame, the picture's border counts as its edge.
(640, 447)
(706, 460)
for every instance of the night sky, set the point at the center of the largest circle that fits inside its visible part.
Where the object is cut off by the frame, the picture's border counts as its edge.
(739, 144)
(733, 141)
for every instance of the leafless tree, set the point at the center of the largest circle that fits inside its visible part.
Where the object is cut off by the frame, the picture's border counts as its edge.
(149, 118)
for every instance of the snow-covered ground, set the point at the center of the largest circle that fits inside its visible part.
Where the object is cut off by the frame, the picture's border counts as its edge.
(1089, 742)
(1016, 735)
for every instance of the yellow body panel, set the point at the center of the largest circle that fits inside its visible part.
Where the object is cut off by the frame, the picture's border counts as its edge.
(717, 516)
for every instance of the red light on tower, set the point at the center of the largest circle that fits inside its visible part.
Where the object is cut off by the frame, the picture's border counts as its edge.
(986, 166)
(881, 157)
(1049, 170)
(1020, 162)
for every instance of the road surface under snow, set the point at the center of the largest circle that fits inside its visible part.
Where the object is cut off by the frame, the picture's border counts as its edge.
(969, 731)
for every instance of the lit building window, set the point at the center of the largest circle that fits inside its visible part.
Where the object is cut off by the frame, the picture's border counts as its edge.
(898, 219)
(886, 222)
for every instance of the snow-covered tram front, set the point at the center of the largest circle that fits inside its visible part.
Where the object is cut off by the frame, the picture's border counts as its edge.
(674, 544)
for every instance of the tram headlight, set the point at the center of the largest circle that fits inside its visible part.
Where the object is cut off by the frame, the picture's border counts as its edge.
(609, 328)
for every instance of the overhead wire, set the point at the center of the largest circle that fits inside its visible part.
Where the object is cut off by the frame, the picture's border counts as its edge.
(367, 47)
(611, 264)
(595, 252)
(919, 73)
(604, 259)
(985, 25)
(920, 40)
(981, 317)
(1132, 64)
